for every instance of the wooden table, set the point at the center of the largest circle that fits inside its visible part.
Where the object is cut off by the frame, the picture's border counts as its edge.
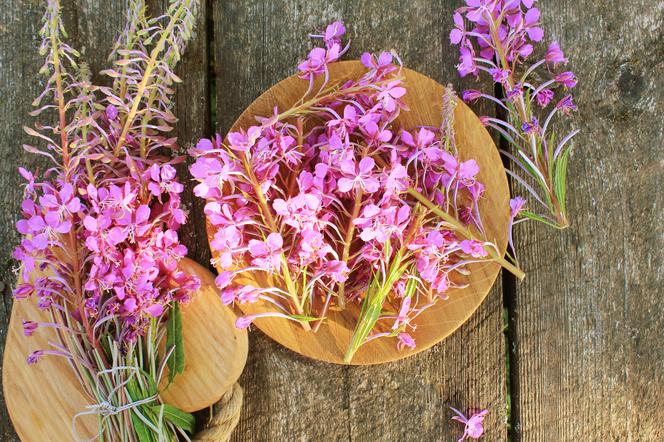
(573, 353)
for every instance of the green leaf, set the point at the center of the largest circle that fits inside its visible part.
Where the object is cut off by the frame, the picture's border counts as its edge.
(177, 417)
(304, 318)
(152, 384)
(560, 181)
(142, 431)
(174, 339)
(540, 218)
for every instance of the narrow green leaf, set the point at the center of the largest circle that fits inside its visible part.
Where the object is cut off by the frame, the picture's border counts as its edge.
(540, 218)
(561, 178)
(174, 339)
(304, 318)
(177, 417)
(142, 431)
(152, 384)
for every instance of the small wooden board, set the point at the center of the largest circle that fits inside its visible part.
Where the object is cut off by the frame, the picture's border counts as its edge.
(424, 98)
(42, 399)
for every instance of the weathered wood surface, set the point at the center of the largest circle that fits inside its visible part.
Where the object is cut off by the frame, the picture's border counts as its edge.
(588, 319)
(587, 352)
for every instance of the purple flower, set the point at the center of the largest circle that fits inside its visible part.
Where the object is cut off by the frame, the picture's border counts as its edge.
(467, 62)
(34, 357)
(404, 340)
(29, 327)
(471, 95)
(396, 180)
(567, 79)
(300, 211)
(267, 254)
(163, 180)
(378, 66)
(403, 313)
(344, 125)
(517, 204)
(154, 310)
(457, 34)
(389, 96)
(358, 176)
(61, 202)
(473, 248)
(531, 127)
(473, 425)
(225, 244)
(111, 112)
(242, 141)
(333, 33)
(375, 135)
(566, 105)
(313, 247)
(466, 171)
(30, 178)
(544, 97)
(134, 224)
(244, 321)
(500, 75)
(318, 59)
(381, 224)
(424, 138)
(336, 270)
(554, 55)
(212, 174)
(224, 279)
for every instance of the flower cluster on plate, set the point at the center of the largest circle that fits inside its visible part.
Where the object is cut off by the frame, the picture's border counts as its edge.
(330, 201)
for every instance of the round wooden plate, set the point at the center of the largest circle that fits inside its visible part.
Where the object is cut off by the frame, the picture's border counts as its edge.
(42, 399)
(424, 98)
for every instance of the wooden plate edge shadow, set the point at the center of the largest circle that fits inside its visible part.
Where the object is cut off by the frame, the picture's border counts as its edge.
(30, 405)
(496, 202)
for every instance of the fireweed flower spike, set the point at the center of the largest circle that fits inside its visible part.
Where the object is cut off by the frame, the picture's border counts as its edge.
(497, 37)
(99, 247)
(334, 203)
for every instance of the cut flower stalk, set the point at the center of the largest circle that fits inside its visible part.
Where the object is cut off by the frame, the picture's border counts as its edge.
(99, 248)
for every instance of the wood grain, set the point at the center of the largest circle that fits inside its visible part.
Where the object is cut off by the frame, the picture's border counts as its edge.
(19, 61)
(424, 99)
(289, 397)
(588, 319)
(44, 398)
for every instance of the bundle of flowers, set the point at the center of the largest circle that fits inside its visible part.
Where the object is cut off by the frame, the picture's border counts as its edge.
(99, 246)
(330, 201)
(498, 42)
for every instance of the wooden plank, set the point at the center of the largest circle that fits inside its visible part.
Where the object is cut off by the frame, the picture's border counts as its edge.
(20, 21)
(588, 318)
(93, 26)
(288, 397)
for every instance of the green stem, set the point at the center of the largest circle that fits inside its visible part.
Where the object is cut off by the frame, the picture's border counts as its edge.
(272, 225)
(357, 203)
(373, 305)
(459, 227)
